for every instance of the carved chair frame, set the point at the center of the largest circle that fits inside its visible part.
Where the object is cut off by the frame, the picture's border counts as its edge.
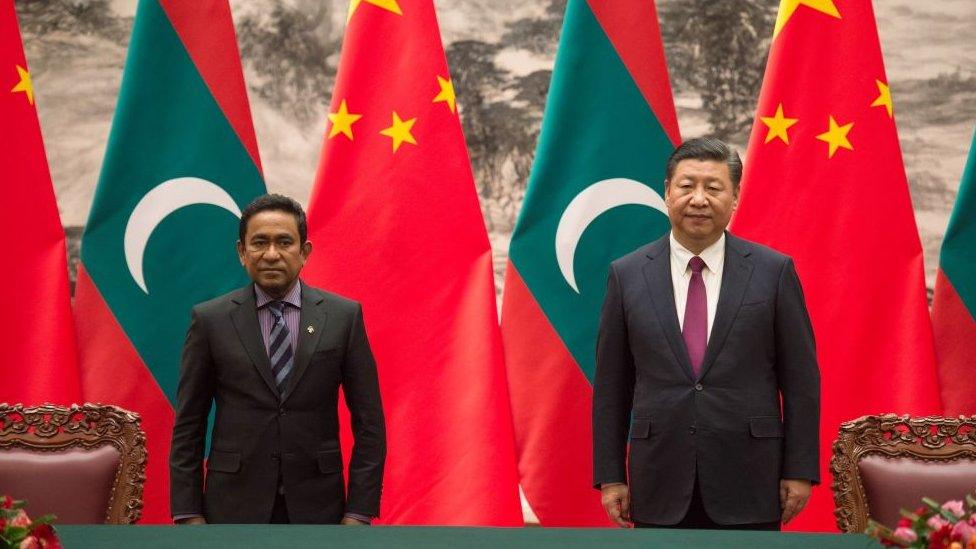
(936, 439)
(50, 428)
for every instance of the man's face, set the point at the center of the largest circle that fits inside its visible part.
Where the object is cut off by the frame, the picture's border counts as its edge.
(700, 200)
(271, 252)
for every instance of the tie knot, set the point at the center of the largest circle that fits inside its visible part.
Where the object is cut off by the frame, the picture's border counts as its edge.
(277, 308)
(697, 264)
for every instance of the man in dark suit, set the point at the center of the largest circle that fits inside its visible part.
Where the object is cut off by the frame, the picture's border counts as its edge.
(272, 355)
(706, 358)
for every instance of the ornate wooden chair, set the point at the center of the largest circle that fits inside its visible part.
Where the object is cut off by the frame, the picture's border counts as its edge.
(884, 463)
(85, 464)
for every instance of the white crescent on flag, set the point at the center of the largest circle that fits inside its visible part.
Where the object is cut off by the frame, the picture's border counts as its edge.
(157, 204)
(589, 204)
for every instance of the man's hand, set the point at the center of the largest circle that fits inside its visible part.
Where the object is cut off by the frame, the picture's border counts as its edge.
(616, 501)
(349, 521)
(793, 496)
(192, 520)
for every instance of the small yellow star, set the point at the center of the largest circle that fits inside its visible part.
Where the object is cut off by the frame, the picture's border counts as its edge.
(388, 5)
(24, 85)
(400, 131)
(788, 7)
(446, 95)
(342, 121)
(884, 98)
(836, 137)
(778, 124)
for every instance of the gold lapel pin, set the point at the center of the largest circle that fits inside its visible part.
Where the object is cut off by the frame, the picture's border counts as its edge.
(311, 330)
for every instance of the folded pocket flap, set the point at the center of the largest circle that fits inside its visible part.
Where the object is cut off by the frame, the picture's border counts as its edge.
(225, 462)
(330, 461)
(332, 351)
(640, 428)
(766, 427)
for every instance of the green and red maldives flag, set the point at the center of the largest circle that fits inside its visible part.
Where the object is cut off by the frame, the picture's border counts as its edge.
(954, 304)
(40, 363)
(595, 194)
(181, 162)
(824, 182)
(395, 221)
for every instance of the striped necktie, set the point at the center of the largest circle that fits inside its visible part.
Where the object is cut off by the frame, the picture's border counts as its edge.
(280, 351)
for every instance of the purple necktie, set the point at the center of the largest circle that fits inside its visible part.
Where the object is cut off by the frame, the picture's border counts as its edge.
(695, 329)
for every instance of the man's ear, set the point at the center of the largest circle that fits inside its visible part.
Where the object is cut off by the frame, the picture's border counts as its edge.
(306, 249)
(667, 192)
(240, 251)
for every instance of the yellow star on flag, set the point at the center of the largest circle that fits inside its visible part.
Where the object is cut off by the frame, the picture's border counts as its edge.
(884, 97)
(400, 131)
(446, 95)
(778, 124)
(836, 137)
(24, 85)
(788, 7)
(342, 121)
(388, 5)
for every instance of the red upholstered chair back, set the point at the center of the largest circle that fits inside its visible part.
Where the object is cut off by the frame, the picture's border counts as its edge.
(86, 464)
(882, 464)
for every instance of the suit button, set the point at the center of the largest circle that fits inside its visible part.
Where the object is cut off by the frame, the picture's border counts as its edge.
(281, 411)
(692, 429)
(698, 387)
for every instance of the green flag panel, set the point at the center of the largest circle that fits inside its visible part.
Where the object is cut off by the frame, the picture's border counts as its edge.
(597, 127)
(167, 127)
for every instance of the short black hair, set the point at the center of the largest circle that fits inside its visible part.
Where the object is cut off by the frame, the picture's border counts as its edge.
(706, 148)
(277, 203)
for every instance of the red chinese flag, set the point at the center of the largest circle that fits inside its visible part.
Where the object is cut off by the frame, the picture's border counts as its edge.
(395, 221)
(40, 363)
(824, 183)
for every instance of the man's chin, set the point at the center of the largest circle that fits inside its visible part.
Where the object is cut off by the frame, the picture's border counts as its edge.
(274, 288)
(699, 234)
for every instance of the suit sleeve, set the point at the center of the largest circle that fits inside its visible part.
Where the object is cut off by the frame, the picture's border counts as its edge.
(799, 379)
(194, 398)
(613, 389)
(362, 392)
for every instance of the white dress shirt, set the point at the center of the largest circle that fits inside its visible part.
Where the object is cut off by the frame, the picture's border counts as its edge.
(714, 258)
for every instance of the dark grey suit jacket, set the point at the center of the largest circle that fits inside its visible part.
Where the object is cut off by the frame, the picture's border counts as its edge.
(728, 426)
(260, 434)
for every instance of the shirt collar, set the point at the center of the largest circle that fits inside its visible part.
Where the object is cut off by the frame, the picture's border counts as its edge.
(294, 296)
(713, 256)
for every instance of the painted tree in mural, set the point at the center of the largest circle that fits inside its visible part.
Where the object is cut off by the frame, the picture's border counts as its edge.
(501, 112)
(718, 48)
(500, 132)
(77, 17)
(287, 46)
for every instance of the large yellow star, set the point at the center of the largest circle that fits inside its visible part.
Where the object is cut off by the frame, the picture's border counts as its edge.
(788, 7)
(836, 137)
(342, 121)
(778, 124)
(446, 95)
(388, 5)
(400, 131)
(24, 85)
(884, 98)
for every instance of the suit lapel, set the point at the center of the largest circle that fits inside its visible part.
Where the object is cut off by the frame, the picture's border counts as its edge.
(735, 279)
(657, 274)
(245, 320)
(314, 316)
